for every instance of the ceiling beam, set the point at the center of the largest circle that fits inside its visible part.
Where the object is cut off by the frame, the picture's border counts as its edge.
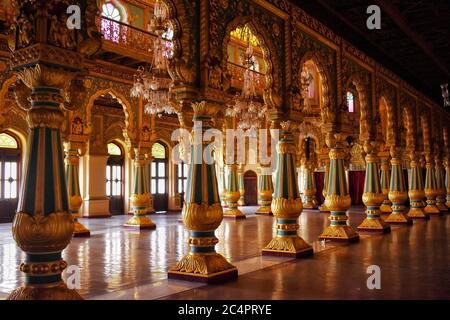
(398, 18)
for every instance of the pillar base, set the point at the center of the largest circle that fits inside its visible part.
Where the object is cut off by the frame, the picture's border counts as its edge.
(207, 268)
(385, 208)
(58, 291)
(418, 213)
(80, 231)
(264, 211)
(432, 209)
(339, 233)
(294, 247)
(398, 218)
(374, 225)
(233, 214)
(140, 223)
(310, 205)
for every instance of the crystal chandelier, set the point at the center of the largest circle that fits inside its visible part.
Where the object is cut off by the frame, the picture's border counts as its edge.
(153, 82)
(243, 105)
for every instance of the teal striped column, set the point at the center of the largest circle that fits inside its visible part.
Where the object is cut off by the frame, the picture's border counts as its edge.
(223, 193)
(265, 191)
(373, 195)
(415, 191)
(286, 202)
(338, 198)
(385, 181)
(323, 207)
(43, 225)
(72, 162)
(397, 191)
(430, 187)
(140, 196)
(310, 188)
(241, 186)
(233, 194)
(440, 186)
(202, 212)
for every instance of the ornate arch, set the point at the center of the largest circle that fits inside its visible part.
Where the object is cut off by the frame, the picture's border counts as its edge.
(181, 65)
(365, 130)
(3, 92)
(323, 73)
(129, 129)
(307, 129)
(391, 138)
(273, 83)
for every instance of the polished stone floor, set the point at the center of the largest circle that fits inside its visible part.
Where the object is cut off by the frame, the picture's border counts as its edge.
(117, 263)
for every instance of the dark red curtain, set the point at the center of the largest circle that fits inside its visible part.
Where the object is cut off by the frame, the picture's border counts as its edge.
(318, 176)
(356, 186)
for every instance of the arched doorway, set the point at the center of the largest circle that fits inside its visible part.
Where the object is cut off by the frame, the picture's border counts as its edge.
(10, 156)
(251, 188)
(115, 179)
(159, 177)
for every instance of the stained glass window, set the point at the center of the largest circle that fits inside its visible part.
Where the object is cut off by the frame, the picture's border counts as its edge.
(350, 102)
(110, 28)
(111, 12)
(114, 149)
(7, 142)
(158, 151)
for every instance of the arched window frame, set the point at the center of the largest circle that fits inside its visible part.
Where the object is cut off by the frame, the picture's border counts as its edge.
(10, 168)
(350, 97)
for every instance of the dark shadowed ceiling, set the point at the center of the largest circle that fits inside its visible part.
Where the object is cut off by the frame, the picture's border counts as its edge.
(414, 40)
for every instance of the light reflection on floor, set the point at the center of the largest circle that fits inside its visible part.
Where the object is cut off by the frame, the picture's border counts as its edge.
(116, 261)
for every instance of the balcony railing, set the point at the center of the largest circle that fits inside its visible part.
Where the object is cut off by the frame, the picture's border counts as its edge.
(237, 77)
(125, 36)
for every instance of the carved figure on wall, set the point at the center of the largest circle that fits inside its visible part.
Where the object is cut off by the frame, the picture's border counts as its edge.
(26, 25)
(77, 126)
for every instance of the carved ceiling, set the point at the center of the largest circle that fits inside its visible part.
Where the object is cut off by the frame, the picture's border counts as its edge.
(414, 40)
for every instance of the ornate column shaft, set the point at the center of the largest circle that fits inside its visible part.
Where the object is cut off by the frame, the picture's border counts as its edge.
(241, 186)
(202, 213)
(385, 181)
(72, 162)
(447, 181)
(310, 187)
(440, 185)
(415, 190)
(430, 187)
(265, 191)
(233, 194)
(140, 195)
(338, 198)
(373, 195)
(323, 207)
(286, 202)
(397, 191)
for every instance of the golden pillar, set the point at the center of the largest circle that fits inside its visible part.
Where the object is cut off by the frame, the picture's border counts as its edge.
(233, 194)
(48, 66)
(415, 190)
(286, 202)
(397, 191)
(430, 186)
(323, 207)
(385, 180)
(310, 187)
(373, 195)
(440, 185)
(202, 212)
(241, 186)
(338, 198)
(140, 195)
(72, 161)
(265, 191)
